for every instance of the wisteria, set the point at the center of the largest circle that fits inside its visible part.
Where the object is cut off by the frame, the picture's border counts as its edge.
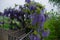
(45, 33)
(31, 16)
(34, 37)
(28, 1)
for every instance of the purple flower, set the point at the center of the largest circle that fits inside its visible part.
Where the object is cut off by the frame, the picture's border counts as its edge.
(34, 37)
(1, 22)
(6, 12)
(45, 33)
(38, 18)
(32, 7)
(28, 1)
(41, 20)
(34, 19)
(31, 36)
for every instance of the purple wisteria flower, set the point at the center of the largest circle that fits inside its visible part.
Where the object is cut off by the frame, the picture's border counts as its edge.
(34, 37)
(25, 17)
(40, 19)
(34, 19)
(31, 36)
(6, 12)
(45, 33)
(28, 1)
(32, 7)
(1, 22)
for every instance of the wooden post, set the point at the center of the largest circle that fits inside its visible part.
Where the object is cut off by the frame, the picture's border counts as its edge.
(1, 38)
(3, 35)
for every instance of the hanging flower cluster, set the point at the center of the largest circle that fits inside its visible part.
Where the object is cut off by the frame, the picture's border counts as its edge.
(30, 15)
(38, 19)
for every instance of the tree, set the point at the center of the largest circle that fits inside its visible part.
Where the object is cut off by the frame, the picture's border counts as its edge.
(55, 2)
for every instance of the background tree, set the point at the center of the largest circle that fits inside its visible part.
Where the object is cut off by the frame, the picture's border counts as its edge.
(55, 2)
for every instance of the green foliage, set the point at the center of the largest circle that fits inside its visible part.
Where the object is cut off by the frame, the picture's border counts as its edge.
(38, 10)
(49, 24)
(56, 2)
(54, 25)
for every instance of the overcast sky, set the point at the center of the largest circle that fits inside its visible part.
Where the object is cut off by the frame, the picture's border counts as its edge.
(10, 3)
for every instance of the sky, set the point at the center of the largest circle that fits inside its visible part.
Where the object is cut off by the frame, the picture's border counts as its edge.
(10, 3)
